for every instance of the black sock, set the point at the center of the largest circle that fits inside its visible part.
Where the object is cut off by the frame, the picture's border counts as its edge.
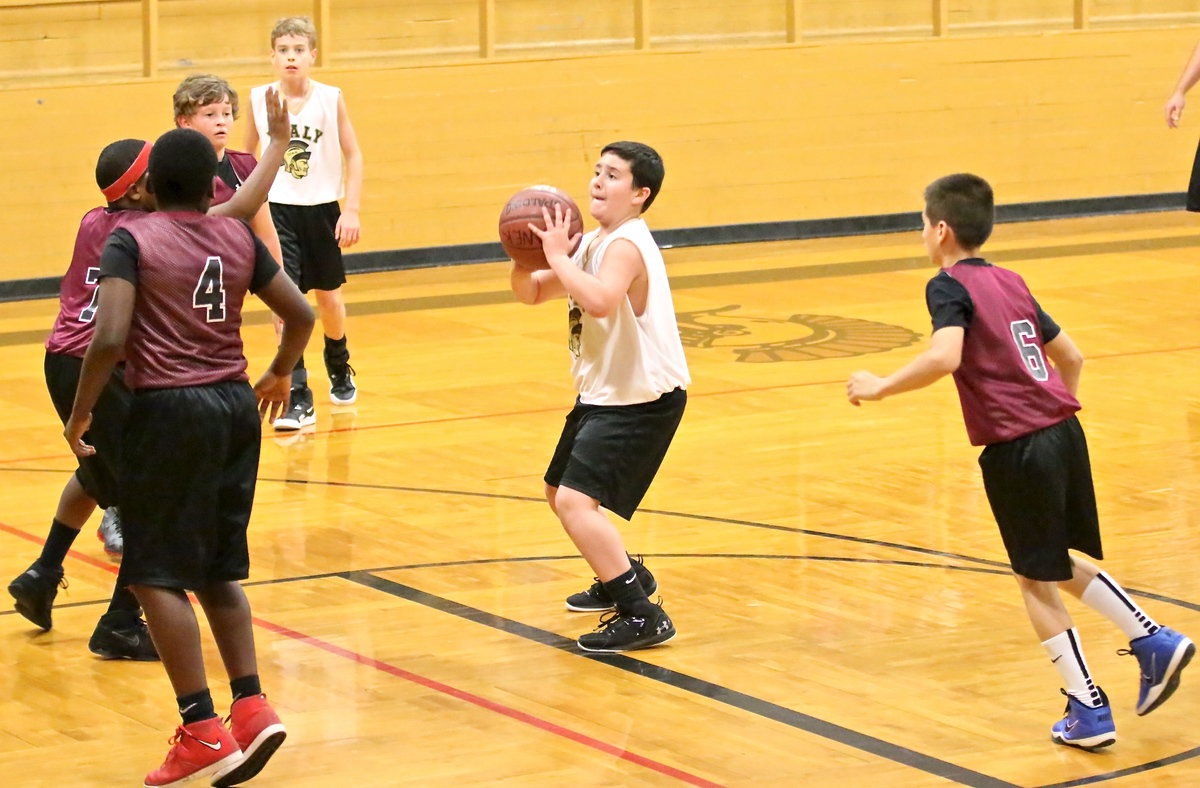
(58, 542)
(245, 687)
(299, 375)
(628, 595)
(123, 600)
(336, 353)
(196, 707)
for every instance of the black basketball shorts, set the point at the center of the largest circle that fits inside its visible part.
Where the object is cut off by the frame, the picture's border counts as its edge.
(612, 452)
(1040, 490)
(188, 485)
(311, 255)
(98, 473)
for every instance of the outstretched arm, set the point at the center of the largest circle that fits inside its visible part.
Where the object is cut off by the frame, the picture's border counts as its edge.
(285, 300)
(249, 199)
(941, 358)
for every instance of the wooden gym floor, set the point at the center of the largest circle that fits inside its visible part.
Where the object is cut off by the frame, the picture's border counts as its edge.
(845, 616)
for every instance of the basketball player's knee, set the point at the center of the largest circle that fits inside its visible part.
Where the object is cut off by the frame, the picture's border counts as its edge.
(571, 504)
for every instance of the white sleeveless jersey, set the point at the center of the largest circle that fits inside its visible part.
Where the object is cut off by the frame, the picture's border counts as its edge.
(312, 165)
(624, 359)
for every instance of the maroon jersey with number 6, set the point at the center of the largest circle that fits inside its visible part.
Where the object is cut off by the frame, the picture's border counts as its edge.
(192, 275)
(1006, 387)
(72, 331)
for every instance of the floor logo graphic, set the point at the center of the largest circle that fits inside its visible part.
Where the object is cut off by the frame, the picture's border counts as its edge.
(758, 339)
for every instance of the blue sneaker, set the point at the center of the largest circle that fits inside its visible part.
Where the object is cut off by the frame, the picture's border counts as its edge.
(1084, 727)
(1162, 657)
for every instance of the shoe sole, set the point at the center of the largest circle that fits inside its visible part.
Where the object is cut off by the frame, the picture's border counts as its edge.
(1179, 661)
(28, 613)
(196, 775)
(336, 401)
(1090, 744)
(292, 426)
(656, 640)
(259, 752)
(105, 653)
(110, 552)
(578, 609)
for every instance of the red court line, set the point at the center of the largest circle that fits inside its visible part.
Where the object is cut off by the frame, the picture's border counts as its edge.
(433, 684)
(490, 705)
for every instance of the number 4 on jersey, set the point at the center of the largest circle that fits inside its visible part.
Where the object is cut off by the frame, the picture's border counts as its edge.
(210, 291)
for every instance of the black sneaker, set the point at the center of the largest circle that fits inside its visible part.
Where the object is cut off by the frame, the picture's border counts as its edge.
(34, 590)
(300, 412)
(597, 600)
(626, 633)
(342, 390)
(122, 636)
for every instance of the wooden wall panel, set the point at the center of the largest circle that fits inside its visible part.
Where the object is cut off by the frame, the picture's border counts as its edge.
(767, 133)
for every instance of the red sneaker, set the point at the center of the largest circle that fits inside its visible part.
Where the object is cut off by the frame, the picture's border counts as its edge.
(198, 749)
(258, 731)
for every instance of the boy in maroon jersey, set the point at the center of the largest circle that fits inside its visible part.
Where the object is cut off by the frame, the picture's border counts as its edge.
(209, 104)
(170, 300)
(994, 337)
(120, 174)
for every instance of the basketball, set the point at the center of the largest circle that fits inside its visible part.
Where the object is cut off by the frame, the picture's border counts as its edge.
(524, 208)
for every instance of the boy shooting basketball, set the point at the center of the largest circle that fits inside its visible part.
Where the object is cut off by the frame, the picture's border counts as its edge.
(631, 376)
(992, 335)
(171, 291)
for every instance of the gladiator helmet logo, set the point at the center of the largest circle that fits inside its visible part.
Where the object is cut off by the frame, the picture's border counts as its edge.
(295, 159)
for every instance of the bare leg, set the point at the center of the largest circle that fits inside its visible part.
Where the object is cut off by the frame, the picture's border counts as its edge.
(75, 506)
(1045, 607)
(228, 613)
(332, 309)
(176, 636)
(1082, 574)
(593, 533)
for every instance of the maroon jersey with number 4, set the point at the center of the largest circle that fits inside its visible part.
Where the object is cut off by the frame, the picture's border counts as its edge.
(1006, 387)
(192, 274)
(72, 331)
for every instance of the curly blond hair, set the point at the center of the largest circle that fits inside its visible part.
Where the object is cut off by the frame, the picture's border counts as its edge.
(295, 26)
(200, 90)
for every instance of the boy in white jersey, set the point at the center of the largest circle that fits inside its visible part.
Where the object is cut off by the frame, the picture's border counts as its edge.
(313, 228)
(631, 376)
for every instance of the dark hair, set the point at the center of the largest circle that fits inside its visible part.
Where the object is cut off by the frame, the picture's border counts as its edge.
(182, 166)
(645, 164)
(115, 159)
(965, 203)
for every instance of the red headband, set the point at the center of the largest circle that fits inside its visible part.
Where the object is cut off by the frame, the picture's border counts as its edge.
(118, 188)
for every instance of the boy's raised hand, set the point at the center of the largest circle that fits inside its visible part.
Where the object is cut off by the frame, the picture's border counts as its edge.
(863, 386)
(556, 238)
(279, 125)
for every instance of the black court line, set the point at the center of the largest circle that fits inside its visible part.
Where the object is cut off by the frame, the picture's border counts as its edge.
(716, 692)
(722, 279)
(1145, 767)
(758, 706)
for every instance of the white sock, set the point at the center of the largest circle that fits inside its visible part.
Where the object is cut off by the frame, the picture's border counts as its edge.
(1109, 600)
(1067, 655)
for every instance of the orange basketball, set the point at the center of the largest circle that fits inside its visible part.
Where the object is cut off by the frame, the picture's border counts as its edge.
(524, 208)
